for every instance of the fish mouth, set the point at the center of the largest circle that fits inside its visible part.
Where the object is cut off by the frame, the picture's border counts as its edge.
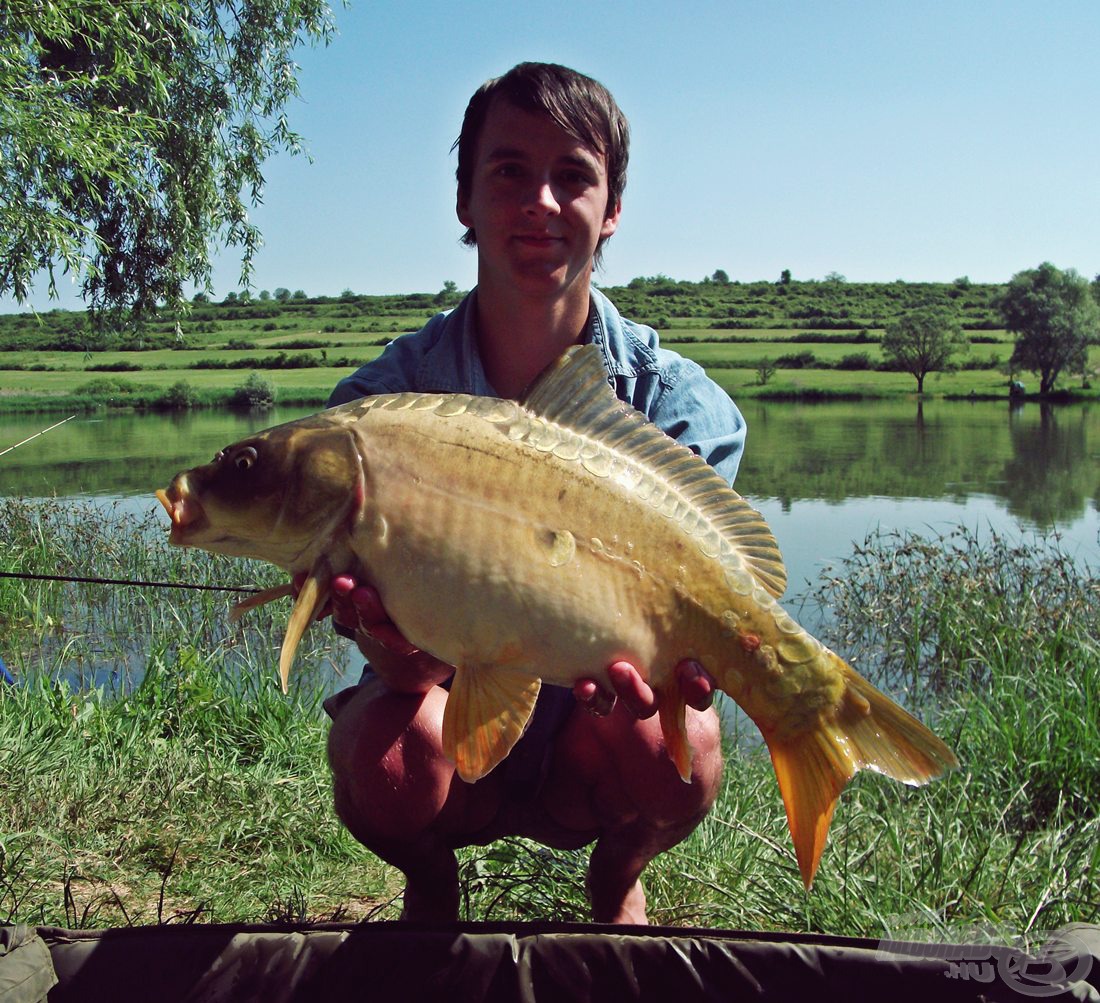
(183, 510)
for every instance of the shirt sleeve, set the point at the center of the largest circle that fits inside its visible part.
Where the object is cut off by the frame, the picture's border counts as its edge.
(695, 411)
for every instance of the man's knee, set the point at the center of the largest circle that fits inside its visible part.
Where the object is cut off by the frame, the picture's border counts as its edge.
(390, 779)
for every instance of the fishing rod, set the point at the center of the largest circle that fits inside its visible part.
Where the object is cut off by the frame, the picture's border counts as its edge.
(30, 576)
(37, 434)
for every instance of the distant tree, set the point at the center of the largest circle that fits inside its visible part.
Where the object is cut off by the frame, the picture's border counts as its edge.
(835, 277)
(447, 294)
(1055, 318)
(721, 277)
(132, 137)
(765, 371)
(282, 295)
(922, 341)
(299, 294)
(200, 298)
(265, 296)
(785, 277)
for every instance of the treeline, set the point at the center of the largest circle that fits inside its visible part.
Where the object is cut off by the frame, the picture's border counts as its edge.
(660, 301)
(830, 305)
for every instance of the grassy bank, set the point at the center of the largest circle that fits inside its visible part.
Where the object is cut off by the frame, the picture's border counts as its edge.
(179, 785)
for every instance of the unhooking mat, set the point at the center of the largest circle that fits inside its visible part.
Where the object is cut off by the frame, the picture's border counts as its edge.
(555, 963)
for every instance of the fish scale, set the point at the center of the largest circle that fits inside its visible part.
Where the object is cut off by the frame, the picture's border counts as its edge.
(543, 540)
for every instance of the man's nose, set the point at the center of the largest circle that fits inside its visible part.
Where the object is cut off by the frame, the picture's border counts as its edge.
(541, 199)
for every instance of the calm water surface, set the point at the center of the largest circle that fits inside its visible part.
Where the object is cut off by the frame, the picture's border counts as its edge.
(824, 475)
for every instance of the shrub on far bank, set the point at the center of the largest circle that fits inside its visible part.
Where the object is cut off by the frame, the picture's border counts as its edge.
(254, 392)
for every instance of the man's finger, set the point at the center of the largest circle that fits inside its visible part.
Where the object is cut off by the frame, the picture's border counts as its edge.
(696, 684)
(634, 691)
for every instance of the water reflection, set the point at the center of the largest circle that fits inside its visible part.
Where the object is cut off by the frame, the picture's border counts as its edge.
(1050, 476)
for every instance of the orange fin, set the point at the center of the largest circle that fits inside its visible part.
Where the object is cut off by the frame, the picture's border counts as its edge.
(866, 731)
(313, 595)
(237, 610)
(487, 711)
(671, 710)
(810, 781)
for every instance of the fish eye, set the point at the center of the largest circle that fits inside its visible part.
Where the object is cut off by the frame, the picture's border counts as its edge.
(245, 458)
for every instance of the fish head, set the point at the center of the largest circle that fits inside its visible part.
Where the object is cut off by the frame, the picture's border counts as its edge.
(279, 495)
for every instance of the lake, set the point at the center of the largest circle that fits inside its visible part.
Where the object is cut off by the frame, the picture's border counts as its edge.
(824, 475)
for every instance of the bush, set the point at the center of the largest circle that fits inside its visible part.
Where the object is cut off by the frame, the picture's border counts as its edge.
(799, 360)
(254, 392)
(856, 360)
(113, 367)
(180, 396)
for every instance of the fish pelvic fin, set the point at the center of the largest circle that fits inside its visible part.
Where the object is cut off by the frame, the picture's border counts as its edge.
(671, 711)
(865, 731)
(237, 610)
(312, 597)
(488, 709)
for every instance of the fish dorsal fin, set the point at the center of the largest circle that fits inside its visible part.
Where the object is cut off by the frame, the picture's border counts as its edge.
(574, 393)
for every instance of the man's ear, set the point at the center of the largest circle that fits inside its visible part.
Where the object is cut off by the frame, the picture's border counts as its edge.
(611, 222)
(462, 207)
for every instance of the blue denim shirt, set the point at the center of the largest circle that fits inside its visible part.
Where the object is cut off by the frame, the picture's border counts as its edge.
(673, 392)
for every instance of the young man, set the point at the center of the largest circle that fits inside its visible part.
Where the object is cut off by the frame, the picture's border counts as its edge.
(541, 169)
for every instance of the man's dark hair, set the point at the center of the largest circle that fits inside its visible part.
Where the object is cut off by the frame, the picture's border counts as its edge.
(581, 106)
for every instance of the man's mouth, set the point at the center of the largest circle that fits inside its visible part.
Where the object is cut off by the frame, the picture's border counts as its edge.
(538, 239)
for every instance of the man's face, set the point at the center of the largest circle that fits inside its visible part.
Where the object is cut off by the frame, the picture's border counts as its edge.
(537, 202)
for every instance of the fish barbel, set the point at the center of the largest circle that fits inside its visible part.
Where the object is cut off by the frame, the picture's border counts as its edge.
(541, 541)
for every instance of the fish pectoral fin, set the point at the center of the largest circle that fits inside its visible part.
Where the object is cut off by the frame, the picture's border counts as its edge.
(487, 712)
(313, 595)
(237, 610)
(671, 711)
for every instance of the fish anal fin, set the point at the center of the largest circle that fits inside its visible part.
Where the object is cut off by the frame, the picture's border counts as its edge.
(487, 712)
(671, 711)
(312, 596)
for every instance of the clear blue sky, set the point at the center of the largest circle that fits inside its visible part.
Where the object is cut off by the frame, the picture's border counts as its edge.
(881, 140)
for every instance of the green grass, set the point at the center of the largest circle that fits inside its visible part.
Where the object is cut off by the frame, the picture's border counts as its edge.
(182, 786)
(44, 358)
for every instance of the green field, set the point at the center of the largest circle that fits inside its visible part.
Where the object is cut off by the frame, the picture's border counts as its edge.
(756, 339)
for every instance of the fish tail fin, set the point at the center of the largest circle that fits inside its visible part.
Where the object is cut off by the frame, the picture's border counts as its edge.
(865, 731)
(311, 598)
(671, 711)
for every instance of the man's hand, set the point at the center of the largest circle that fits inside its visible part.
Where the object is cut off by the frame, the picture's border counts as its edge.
(694, 681)
(397, 662)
